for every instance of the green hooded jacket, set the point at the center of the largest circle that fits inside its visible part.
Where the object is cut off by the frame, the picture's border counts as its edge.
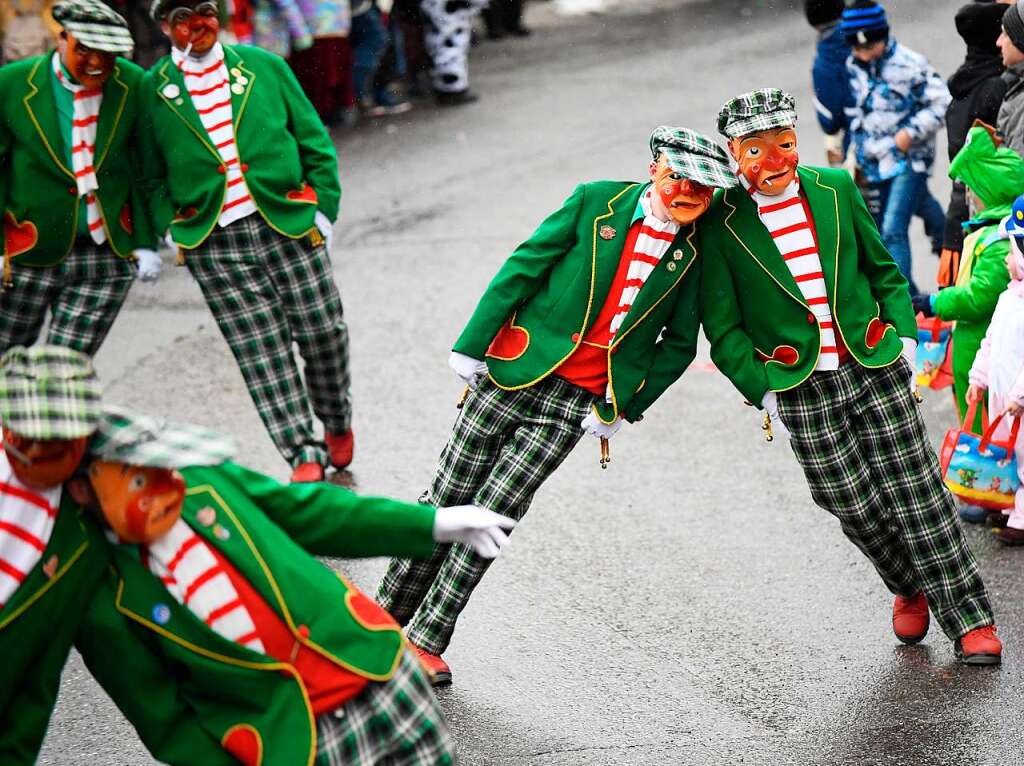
(996, 176)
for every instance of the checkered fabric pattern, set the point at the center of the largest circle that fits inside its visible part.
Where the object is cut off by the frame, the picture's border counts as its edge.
(764, 109)
(83, 294)
(695, 156)
(860, 439)
(504, 445)
(127, 437)
(49, 392)
(267, 291)
(397, 722)
(95, 25)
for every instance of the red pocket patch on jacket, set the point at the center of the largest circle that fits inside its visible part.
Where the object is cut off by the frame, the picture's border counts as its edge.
(367, 612)
(18, 237)
(185, 214)
(510, 342)
(875, 333)
(786, 355)
(125, 219)
(306, 194)
(244, 743)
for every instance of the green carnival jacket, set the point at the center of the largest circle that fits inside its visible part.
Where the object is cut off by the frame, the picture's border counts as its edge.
(38, 195)
(195, 697)
(972, 300)
(547, 295)
(286, 154)
(37, 628)
(764, 337)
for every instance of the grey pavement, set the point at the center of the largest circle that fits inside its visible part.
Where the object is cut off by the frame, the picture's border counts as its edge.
(690, 605)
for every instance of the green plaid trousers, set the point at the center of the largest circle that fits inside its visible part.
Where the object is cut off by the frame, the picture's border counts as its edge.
(267, 291)
(504, 445)
(861, 441)
(397, 722)
(83, 295)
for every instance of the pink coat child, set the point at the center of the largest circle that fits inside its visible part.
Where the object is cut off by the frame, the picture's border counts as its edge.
(999, 365)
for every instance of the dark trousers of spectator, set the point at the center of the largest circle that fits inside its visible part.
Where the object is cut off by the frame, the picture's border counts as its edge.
(900, 199)
(369, 39)
(503, 17)
(325, 72)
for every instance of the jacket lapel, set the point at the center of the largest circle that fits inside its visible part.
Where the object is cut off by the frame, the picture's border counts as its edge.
(67, 543)
(42, 111)
(666, 275)
(170, 87)
(823, 201)
(242, 80)
(115, 94)
(609, 237)
(750, 233)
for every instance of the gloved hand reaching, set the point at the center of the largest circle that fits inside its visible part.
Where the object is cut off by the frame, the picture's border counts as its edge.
(770, 403)
(326, 229)
(471, 525)
(470, 370)
(592, 425)
(910, 355)
(147, 264)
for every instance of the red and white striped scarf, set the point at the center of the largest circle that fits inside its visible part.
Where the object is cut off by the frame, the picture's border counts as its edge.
(651, 245)
(785, 217)
(83, 146)
(195, 578)
(27, 517)
(209, 88)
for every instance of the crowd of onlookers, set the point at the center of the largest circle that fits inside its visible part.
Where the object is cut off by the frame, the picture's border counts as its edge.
(352, 57)
(881, 106)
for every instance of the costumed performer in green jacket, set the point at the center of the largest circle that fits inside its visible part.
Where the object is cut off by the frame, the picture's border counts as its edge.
(242, 170)
(584, 326)
(217, 633)
(74, 218)
(810, 318)
(51, 558)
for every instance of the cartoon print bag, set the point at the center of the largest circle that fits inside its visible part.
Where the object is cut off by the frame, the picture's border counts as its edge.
(977, 469)
(934, 352)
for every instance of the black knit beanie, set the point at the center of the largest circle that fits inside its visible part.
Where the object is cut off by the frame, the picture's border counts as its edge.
(822, 12)
(1013, 23)
(979, 24)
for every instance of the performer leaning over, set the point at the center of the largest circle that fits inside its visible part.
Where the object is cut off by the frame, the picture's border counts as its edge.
(584, 326)
(74, 221)
(809, 316)
(243, 172)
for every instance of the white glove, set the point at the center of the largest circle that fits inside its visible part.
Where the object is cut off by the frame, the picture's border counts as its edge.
(326, 228)
(169, 241)
(471, 525)
(910, 354)
(470, 370)
(147, 264)
(771, 406)
(592, 425)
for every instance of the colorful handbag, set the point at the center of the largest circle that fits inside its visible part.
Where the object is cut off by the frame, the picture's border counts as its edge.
(934, 352)
(977, 469)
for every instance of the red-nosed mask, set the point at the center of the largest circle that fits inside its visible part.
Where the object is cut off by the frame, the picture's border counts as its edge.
(89, 67)
(140, 503)
(194, 28)
(685, 200)
(43, 463)
(768, 160)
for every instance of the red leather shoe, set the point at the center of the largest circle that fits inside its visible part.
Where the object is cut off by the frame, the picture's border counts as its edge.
(910, 618)
(438, 670)
(340, 446)
(307, 472)
(979, 647)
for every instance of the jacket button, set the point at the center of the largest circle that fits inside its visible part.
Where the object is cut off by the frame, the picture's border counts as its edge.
(222, 169)
(72, 190)
(575, 337)
(245, 167)
(811, 319)
(303, 631)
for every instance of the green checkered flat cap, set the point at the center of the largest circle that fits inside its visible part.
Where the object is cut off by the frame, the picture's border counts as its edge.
(764, 109)
(49, 392)
(95, 25)
(159, 9)
(695, 156)
(127, 437)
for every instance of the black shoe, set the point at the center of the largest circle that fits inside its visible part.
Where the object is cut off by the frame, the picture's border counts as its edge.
(521, 31)
(455, 98)
(1010, 536)
(996, 519)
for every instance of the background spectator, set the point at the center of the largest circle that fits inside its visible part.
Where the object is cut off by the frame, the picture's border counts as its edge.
(505, 17)
(832, 95)
(977, 89)
(1011, 44)
(324, 69)
(27, 28)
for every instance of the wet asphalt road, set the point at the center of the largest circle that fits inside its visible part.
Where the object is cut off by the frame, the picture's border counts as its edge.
(689, 605)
